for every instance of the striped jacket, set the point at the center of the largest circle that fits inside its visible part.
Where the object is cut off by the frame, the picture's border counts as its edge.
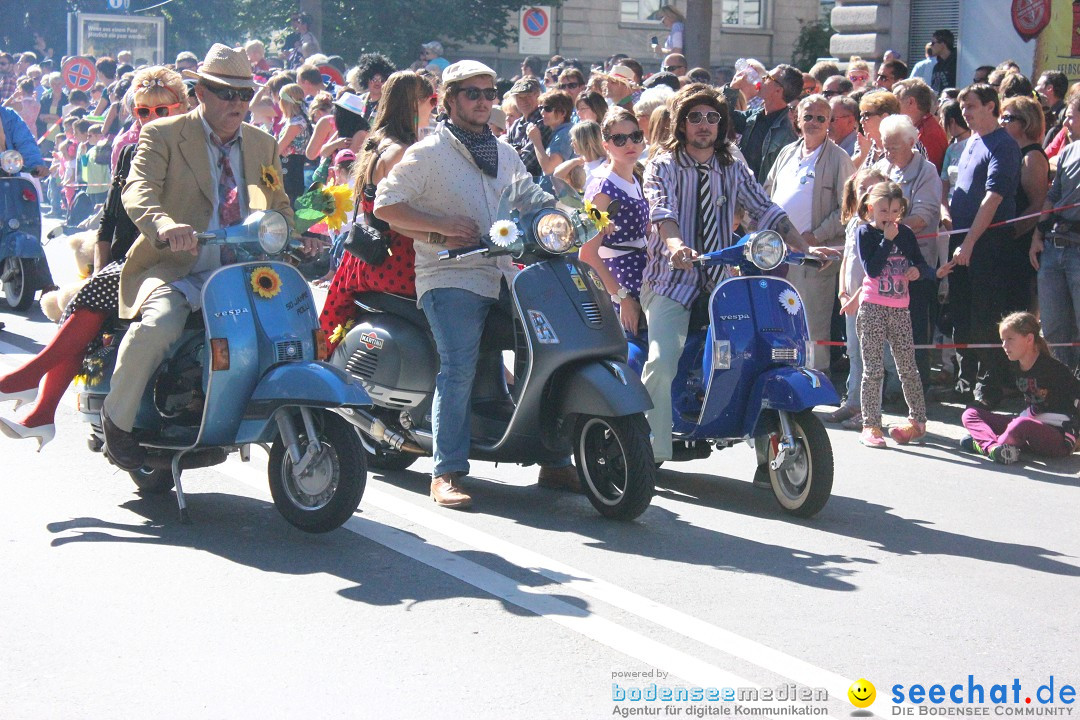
(671, 186)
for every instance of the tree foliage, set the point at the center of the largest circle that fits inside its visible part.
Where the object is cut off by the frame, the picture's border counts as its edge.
(350, 27)
(813, 43)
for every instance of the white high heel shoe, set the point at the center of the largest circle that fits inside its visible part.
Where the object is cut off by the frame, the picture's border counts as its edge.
(42, 433)
(23, 396)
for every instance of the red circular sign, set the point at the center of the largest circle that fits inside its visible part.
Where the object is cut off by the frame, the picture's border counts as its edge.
(79, 73)
(331, 74)
(535, 21)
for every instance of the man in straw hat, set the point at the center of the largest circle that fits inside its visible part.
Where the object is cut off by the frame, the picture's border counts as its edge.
(620, 84)
(445, 193)
(195, 172)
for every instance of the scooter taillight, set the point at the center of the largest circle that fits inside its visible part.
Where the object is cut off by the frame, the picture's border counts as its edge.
(29, 195)
(322, 348)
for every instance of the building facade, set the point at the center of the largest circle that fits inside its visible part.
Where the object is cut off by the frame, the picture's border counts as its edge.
(592, 30)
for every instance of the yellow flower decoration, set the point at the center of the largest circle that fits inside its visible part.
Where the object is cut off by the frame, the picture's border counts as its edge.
(342, 198)
(265, 282)
(340, 332)
(599, 217)
(270, 177)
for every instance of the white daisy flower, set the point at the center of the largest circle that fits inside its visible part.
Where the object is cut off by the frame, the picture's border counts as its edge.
(789, 300)
(503, 233)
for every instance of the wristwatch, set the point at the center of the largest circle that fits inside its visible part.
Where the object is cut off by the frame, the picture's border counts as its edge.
(621, 295)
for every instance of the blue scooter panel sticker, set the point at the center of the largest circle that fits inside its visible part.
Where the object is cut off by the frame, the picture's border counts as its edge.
(545, 334)
(595, 277)
(576, 277)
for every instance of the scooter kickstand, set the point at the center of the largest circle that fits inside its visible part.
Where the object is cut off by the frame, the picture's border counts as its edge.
(181, 501)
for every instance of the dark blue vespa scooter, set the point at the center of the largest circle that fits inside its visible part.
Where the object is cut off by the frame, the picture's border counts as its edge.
(23, 268)
(743, 378)
(249, 371)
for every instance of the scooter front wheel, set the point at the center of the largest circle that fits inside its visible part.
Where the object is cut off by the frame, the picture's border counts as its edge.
(803, 487)
(18, 293)
(328, 492)
(615, 464)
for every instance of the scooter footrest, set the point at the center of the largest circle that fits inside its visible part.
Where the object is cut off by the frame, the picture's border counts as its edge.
(197, 459)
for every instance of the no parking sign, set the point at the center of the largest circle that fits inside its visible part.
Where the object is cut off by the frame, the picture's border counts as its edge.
(79, 73)
(534, 30)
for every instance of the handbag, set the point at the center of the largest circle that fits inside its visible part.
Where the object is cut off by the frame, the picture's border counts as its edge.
(369, 238)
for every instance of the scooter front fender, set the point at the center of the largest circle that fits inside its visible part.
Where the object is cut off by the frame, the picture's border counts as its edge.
(609, 388)
(21, 244)
(310, 383)
(791, 389)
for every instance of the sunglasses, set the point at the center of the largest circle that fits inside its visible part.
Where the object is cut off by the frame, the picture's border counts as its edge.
(145, 111)
(1007, 118)
(546, 108)
(831, 93)
(569, 86)
(819, 118)
(230, 94)
(672, 68)
(882, 76)
(836, 118)
(473, 94)
(712, 117)
(867, 115)
(619, 139)
(858, 78)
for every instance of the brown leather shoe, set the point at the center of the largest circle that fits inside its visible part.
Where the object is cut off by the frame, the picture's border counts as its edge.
(559, 478)
(446, 494)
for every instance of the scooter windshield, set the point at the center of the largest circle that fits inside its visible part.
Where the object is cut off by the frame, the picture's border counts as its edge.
(521, 197)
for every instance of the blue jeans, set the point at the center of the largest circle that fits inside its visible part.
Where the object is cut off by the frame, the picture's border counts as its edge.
(457, 321)
(1059, 299)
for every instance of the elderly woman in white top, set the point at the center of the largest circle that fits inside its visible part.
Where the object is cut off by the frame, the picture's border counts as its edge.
(921, 184)
(807, 181)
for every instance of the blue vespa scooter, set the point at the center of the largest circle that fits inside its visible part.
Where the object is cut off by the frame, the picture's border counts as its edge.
(249, 371)
(23, 268)
(743, 378)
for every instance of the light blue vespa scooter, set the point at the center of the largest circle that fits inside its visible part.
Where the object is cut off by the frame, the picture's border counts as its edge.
(250, 370)
(23, 267)
(744, 378)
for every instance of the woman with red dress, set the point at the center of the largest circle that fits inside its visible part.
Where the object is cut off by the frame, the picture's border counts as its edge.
(404, 108)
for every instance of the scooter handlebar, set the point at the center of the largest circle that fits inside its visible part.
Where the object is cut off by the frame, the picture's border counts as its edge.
(457, 253)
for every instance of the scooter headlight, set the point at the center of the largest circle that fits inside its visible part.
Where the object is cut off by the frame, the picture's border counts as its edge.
(273, 232)
(766, 249)
(11, 161)
(554, 232)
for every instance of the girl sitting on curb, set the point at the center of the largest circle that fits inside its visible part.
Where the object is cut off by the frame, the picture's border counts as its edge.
(1048, 425)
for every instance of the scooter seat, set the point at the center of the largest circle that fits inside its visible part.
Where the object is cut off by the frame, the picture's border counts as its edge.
(498, 330)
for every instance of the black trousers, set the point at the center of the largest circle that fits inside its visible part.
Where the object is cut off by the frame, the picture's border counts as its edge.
(978, 299)
(923, 305)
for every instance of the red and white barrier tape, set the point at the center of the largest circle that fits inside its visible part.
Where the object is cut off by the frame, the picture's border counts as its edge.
(1002, 223)
(948, 346)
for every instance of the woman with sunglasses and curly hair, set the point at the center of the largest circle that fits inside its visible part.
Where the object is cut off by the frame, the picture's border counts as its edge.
(157, 92)
(404, 110)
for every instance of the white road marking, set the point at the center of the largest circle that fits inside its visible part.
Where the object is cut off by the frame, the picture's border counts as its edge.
(565, 577)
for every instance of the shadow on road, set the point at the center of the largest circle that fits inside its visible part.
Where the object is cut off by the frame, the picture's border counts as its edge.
(250, 532)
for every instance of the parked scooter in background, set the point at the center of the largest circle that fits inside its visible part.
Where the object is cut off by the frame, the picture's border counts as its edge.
(23, 267)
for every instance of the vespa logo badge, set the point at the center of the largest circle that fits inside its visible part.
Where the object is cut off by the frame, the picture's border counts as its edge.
(371, 341)
(231, 313)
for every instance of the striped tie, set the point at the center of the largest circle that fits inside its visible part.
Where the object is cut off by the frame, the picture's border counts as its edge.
(707, 234)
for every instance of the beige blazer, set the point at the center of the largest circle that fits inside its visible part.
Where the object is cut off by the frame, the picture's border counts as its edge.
(170, 182)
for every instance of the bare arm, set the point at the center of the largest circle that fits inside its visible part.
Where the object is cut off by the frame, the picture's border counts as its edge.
(1034, 178)
(318, 137)
(287, 135)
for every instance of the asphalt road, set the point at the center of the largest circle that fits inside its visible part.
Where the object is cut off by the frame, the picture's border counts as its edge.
(926, 566)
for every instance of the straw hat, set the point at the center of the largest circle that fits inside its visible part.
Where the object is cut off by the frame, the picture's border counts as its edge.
(622, 73)
(224, 66)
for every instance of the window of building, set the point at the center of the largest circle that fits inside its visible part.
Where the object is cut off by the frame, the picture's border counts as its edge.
(743, 13)
(638, 11)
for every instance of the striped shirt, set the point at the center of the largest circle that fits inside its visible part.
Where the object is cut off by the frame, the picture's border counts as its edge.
(671, 186)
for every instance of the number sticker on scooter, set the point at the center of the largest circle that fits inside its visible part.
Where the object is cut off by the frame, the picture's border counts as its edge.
(545, 334)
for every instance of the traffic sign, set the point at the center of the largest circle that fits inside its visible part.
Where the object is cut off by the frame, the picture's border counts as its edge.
(79, 73)
(534, 30)
(331, 74)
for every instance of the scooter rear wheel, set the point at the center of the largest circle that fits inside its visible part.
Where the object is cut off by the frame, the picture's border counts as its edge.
(615, 464)
(804, 487)
(17, 292)
(329, 493)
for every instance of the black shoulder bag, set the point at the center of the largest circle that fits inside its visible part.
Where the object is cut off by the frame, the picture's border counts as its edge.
(369, 237)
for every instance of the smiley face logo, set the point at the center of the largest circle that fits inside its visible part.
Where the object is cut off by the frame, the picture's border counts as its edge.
(862, 693)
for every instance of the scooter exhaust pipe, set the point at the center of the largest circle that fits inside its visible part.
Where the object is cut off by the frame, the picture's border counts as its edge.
(376, 429)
